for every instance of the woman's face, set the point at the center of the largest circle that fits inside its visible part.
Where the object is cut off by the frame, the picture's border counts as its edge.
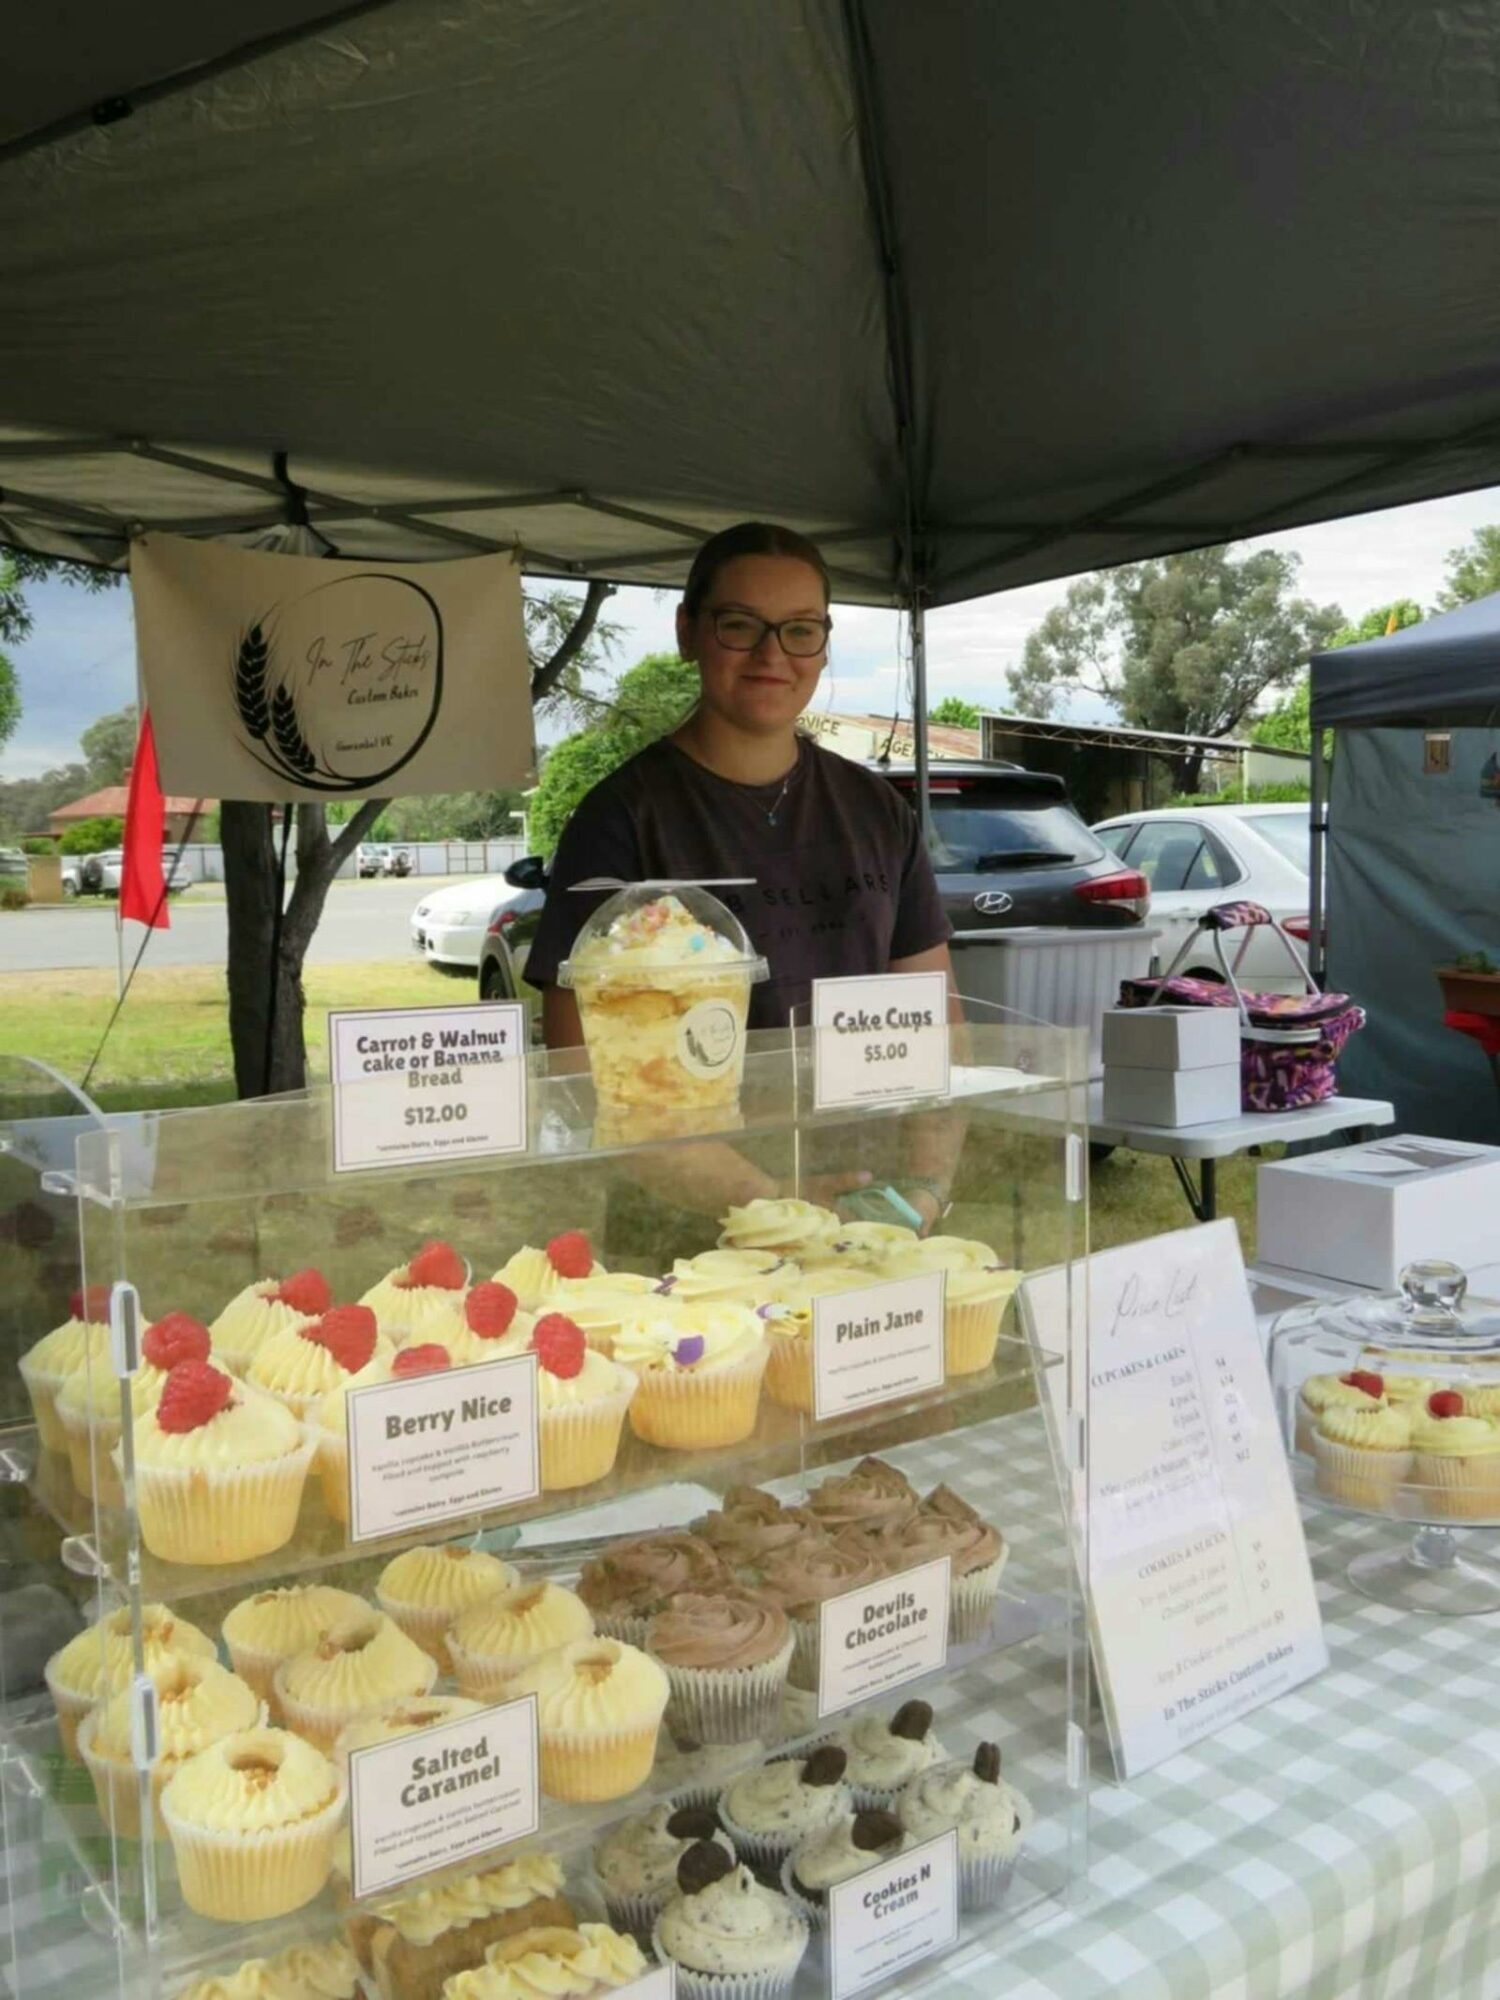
(765, 690)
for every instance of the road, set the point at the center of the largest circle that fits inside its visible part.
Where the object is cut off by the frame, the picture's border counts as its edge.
(362, 921)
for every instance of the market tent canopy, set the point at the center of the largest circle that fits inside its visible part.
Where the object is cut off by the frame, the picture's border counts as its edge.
(1442, 674)
(979, 294)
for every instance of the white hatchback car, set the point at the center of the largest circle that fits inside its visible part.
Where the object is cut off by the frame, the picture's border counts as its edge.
(448, 925)
(1196, 856)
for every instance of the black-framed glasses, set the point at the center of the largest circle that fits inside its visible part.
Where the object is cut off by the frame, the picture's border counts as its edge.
(799, 638)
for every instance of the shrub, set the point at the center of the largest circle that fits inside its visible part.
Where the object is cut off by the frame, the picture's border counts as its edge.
(13, 899)
(92, 836)
(1257, 795)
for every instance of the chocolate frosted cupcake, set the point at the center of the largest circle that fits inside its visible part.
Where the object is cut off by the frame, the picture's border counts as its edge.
(726, 1656)
(768, 1812)
(750, 1526)
(802, 1579)
(840, 1852)
(884, 1753)
(989, 1816)
(728, 1937)
(631, 1582)
(873, 1493)
(636, 1862)
(945, 1525)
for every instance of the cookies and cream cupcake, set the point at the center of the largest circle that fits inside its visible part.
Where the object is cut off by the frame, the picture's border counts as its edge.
(726, 1654)
(599, 1709)
(197, 1703)
(426, 1589)
(781, 1223)
(508, 1630)
(268, 1306)
(636, 1862)
(728, 1937)
(698, 1369)
(769, 1811)
(360, 1663)
(275, 1625)
(252, 1821)
(630, 1582)
(837, 1853)
(415, 1302)
(884, 1753)
(989, 1816)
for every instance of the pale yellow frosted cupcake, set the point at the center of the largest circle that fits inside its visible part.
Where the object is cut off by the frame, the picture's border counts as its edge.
(197, 1702)
(1363, 1456)
(590, 1961)
(340, 1350)
(748, 1277)
(275, 1625)
(363, 1662)
(219, 1469)
(266, 1307)
(582, 1397)
(81, 1342)
(326, 1971)
(536, 1276)
(599, 1708)
(862, 1246)
(698, 1369)
(99, 1662)
(1358, 1389)
(415, 1300)
(400, 1718)
(426, 1589)
(977, 1288)
(484, 1324)
(790, 1227)
(1457, 1469)
(599, 1304)
(252, 1822)
(329, 1425)
(788, 1320)
(497, 1639)
(88, 1404)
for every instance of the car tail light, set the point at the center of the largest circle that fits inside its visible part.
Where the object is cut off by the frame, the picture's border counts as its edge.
(1300, 927)
(1125, 886)
(500, 922)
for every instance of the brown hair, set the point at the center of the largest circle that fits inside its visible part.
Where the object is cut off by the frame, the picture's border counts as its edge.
(748, 538)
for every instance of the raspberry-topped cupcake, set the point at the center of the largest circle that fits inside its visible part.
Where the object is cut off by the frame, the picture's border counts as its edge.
(583, 1397)
(416, 1301)
(486, 1324)
(264, 1308)
(88, 1404)
(339, 1350)
(1358, 1389)
(535, 1276)
(1457, 1457)
(81, 1343)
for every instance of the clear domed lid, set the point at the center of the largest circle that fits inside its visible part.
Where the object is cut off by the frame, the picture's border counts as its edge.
(665, 930)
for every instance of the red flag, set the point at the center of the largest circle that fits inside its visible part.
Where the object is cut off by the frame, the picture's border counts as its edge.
(142, 884)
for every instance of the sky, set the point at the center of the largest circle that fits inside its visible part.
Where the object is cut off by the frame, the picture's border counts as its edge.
(79, 662)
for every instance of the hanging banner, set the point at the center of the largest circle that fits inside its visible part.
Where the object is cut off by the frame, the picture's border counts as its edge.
(293, 677)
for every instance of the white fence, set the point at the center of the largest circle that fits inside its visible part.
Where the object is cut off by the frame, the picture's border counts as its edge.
(203, 861)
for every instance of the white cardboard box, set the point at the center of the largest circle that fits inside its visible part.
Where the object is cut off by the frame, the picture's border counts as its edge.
(1362, 1212)
(1171, 1037)
(1172, 1097)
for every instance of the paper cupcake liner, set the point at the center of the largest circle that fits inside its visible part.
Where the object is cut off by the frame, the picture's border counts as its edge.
(1457, 1488)
(425, 1624)
(483, 1676)
(586, 1766)
(983, 1879)
(789, 1371)
(814, 1915)
(970, 1335)
(700, 1409)
(580, 1441)
(768, 1984)
(238, 1877)
(1306, 1428)
(257, 1669)
(971, 1601)
(764, 1851)
(117, 1787)
(42, 1387)
(635, 1914)
(627, 1626)
(71, 1710)
(333, 1473)
(91, 1444)
(804, 1670)
(221, 1514)
(1359, 1477)
(726, 1705)
(321, 1726)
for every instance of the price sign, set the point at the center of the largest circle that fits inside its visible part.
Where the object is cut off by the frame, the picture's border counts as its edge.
(894, 1914)
(879, 1039)
(418, 1084)
(878, 1342)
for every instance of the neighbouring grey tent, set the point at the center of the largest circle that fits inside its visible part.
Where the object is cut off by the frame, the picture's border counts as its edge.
(1413, 856)
(980, 292)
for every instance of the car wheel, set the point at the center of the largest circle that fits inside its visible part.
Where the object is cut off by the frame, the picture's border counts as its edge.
(493, 982)
(70, 887)
(91, 874)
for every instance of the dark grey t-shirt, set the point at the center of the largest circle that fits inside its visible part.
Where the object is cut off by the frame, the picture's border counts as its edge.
(842, 883)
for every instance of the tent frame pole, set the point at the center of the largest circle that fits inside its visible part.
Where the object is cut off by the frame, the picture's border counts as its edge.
(919, 714)
(1317, 862)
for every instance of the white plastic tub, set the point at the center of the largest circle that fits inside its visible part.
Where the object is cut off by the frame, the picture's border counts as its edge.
(1051, 974)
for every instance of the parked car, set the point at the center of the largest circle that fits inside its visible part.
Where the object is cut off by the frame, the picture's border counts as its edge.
(71, 883)
(449, 926)
(1196, 856)
(379, 857)
(99, 874)
(511, 927)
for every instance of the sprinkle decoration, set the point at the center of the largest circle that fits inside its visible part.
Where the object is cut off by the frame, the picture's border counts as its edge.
(688, 1350)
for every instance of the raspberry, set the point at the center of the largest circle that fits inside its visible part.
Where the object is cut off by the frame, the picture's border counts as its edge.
(1445, 1403)
(1366, 1379)
(305, 1292)
(559, 1345)
(175, 1339)
(489, 1309)
(193, 1395)
(92, 1305)
(426, 1360)
(348, 1332)
(436, 1264)
(570, 1255)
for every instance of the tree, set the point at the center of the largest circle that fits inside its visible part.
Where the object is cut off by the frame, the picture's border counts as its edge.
(1288, 725)
(108, 747)
(1185, 644)
(451, 816)
(17, 569)
(1377, 623)
(955, 712)
(14, 624)
(649, 701)
(25, 803)
(92, 836)
(1473, 570)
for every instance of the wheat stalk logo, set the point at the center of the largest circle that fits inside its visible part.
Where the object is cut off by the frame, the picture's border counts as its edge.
(269, 715)
(287, 731)
(251, 666)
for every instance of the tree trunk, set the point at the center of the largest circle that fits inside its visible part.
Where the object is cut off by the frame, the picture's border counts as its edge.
(1187, 771)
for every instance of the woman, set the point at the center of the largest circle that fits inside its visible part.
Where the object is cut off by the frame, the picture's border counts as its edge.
(839, 880)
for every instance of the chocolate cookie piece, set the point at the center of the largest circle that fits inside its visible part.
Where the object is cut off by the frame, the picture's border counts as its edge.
(704, 1864)
(987, 1763)
(872, 1831)
(912, 1720)
(826, 1765)
(694, 1823)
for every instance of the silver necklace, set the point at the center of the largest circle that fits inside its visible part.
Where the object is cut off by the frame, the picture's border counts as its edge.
(776, 804)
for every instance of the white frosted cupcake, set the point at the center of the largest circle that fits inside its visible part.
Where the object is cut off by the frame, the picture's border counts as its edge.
(362, 1663)
(768, 1812)
(496, 1638)
(1364, 1456)
(266, 1307)
(728, 1937)
(582, 1397)
(977, 1288)
(598, 1305)
(415, 1302)
(483, 1324)
(836, 1854)
(989, 1816)
(698, 1370)
(636, 1862)
(746, 1277)
(1359, 1389)
(99, 1662)
(197, 1703)
(790, 1227)
(884, 1754)
(399, 1718)
(426, 1589)
(275, 1625)
(599, 1709)
(862, 1247)
(252, 1821)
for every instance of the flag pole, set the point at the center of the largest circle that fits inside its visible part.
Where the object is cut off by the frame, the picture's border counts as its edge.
(119, 950)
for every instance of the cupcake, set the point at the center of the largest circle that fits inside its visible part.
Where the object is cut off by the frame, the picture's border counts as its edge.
(1457, 1458)
(699, 1369)
(636, 1862)
(789, 1227)
(882, 1755)
(599, 1708)
(363, 1662)
(268, 1306)
(219, 1469)
(329, 1424)
(989, 1816)
(275, 1625)
(425, 1589)
(872, 1495)
(977, 1287)
(727, 1936)
(945, 1525)
(838, 1853)
(599, 1304)
(536, 1276)
(746, 1277)
(590, 1961)
(1363, 1455)
(626, 1586)
(99, 1662)
(802, 1579)
(80, 1343)
(396, 1719)
(301, 1363)
(197, 1703)
(768, 1812)
(509, 1630)
(484, 1324)
(326, 1971)
(1359, 1389)
(414, 1943)
(726, 1657)
(789, 1316)
(582, 1397)
(751, 1525)
(88, 1403)
(252, 1821)
(863, 1248)
(415, 1302)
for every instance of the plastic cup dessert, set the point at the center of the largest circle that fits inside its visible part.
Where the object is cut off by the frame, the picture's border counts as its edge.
(663, 977)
